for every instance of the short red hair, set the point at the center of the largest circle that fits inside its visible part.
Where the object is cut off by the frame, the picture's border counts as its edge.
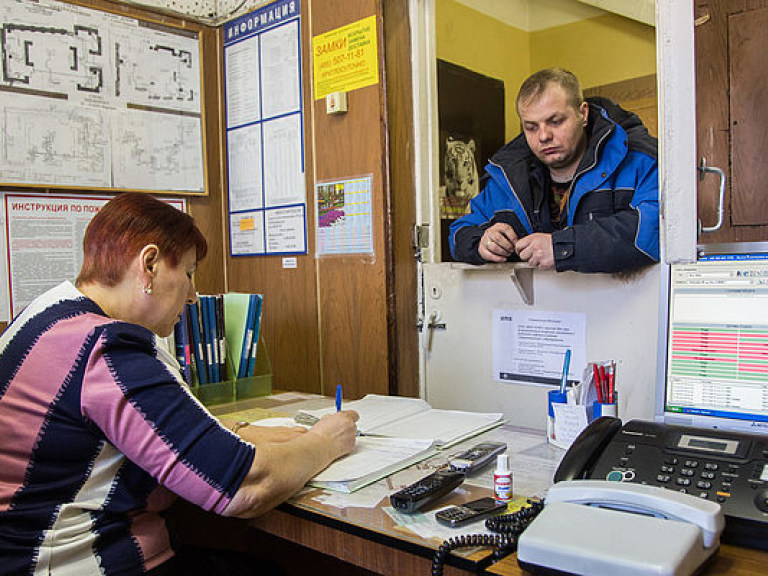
(126, 224)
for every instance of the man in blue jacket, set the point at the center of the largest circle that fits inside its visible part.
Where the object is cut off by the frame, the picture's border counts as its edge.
(577, 190)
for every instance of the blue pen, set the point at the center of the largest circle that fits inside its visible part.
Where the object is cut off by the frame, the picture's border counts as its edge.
(338, 398)
(566, 365)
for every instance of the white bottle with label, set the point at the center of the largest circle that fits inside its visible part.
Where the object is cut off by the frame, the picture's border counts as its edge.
(502, 479)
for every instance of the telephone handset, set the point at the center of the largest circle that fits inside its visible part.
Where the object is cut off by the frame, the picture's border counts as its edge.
(728, 468)
(622, 528)
(580, 459)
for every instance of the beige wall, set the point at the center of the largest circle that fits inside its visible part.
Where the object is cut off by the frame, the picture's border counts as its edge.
(486, 46)
(599, 50)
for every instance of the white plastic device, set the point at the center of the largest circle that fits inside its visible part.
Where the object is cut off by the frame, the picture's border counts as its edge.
(605, 528)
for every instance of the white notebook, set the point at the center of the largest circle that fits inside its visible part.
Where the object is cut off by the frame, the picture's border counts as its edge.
(373, 458)
(401, 417)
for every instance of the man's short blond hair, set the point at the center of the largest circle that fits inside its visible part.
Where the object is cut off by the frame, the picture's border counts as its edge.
(536, 83)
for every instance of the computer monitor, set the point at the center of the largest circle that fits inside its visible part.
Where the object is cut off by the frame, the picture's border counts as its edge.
(716, 358)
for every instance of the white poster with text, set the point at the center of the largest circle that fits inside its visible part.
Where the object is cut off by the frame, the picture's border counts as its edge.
(529, 346)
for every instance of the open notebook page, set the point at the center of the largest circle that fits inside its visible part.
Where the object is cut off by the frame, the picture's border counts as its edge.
(374, 410)
(443, 426)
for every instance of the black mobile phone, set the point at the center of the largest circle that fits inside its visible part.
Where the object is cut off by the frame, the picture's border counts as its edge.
(469, 512)
(477, 457)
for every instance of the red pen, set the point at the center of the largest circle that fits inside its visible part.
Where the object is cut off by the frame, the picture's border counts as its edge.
(604, 382)
(598, 384)
(611, 372)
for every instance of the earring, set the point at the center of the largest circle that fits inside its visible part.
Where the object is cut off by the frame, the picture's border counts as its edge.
(147, 290)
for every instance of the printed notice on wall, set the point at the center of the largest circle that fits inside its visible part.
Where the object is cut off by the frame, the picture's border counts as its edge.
(346, 58)
(344, 221)
(43, 240)
(265, 122)
(529, 347)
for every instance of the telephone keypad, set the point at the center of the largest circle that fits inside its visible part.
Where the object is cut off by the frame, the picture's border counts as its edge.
(732, 469)
(702, 475)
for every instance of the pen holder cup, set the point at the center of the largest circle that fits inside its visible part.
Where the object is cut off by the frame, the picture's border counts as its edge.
(599, 409)
(553, 397)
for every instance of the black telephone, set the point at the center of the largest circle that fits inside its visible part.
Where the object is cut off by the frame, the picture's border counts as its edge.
(730, 468)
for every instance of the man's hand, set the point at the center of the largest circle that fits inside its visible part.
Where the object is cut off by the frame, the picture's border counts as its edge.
(497, 243)
(536, 249)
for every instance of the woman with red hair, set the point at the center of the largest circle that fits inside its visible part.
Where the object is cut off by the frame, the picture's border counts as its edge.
(100, 433)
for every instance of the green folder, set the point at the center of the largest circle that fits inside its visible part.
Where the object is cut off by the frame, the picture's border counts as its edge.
(235, 320)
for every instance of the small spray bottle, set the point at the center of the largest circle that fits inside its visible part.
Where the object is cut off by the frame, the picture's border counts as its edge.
(502, 479)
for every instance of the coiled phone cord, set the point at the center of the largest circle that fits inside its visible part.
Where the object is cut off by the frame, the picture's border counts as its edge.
(508, 527)
(514, 524)
(500, 542)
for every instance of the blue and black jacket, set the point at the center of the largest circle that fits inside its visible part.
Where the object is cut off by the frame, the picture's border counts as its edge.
(611, 220)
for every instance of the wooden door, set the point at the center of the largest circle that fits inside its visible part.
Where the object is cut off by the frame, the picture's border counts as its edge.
(637, 95)
(732, 115)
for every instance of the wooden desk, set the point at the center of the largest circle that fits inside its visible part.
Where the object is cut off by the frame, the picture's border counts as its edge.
(369, 538)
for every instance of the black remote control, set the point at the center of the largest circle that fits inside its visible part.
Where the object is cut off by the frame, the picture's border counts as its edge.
(414, 497)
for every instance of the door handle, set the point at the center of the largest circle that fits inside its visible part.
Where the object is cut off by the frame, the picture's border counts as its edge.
(703, 169)
(428, 329)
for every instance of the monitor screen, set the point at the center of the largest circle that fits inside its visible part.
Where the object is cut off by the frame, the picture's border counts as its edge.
(717, 344)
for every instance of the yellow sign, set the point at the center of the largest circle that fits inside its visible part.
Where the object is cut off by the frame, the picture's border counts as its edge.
(247, 224)
(346, 58)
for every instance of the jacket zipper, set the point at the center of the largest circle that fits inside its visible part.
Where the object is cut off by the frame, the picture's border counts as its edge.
(512, 188)
(579, 174)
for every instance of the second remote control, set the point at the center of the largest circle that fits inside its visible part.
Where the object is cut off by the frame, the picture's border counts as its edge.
(414, 497)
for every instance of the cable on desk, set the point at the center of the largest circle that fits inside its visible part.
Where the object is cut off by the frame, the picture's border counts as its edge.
(514, 524)
(500, 542)
(509, 528)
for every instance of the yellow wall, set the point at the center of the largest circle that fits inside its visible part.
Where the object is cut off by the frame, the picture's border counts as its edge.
(486, 46)
(599, 50)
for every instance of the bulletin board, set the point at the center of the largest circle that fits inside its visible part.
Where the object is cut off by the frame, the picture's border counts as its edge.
(265, 132)
(96, 100)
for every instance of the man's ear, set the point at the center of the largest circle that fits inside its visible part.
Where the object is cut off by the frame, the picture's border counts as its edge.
(584, 112)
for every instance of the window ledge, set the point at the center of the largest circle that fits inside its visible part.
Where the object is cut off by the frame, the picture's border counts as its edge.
(521, 274)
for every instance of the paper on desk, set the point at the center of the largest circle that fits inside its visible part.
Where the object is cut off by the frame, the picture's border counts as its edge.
(290, 396)
(372, 459)
(570, 420)
(368, 497)
(423, 524)
(284, 421)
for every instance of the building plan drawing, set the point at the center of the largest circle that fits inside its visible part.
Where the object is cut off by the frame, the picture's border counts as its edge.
(81, 88)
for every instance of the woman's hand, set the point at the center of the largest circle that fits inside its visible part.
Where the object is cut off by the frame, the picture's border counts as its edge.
(260, 434)
(338, 430)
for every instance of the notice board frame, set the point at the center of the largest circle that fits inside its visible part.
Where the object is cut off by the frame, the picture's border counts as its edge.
(148, 23)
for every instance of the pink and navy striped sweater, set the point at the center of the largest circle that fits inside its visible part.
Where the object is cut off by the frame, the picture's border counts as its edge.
(98, 434)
